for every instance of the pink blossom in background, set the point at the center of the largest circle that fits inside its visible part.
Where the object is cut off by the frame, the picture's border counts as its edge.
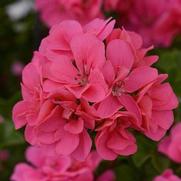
(17, 68)
(1, 119)
(167, 175)
(45, 166)
(171, 145)
(157, 21)
(55, 11)
(87, 80)
(4, 155)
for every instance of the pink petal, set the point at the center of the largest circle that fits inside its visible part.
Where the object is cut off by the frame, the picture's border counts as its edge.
(102, 149)
(19, 114)
(84, 147)
(108, 72)
(74, 126)
(120, 54)
(139, 78)
(67, 144)
(100, 28)
(163, 97)
(88, 52)
(62, 71)
(116, 142)
(98, 88)
(131, 106)
(31, 76)
(34, 155)
(108, 107)
(31, 135)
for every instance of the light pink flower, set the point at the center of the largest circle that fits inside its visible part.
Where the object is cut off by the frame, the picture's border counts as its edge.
(57, 44)
(55, 11)
(167, 175)
(171, 145)
(135, 42)
(114, 139)
(47, 167)
(81, 74)
(58, 108)
(59, 88)
(123, 78)
(86, 80)
(157, 21)
(156, 102)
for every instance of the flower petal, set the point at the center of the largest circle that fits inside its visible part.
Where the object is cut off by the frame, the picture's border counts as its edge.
(120, 54)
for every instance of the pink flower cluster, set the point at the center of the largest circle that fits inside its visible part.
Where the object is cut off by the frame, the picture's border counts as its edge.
(46, 167)
(167, 176)
(171, 145)
(93, 82)
(157, 21)
(55, 11)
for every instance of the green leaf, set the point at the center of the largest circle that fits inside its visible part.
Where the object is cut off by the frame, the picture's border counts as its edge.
(145, 149)
(9, 136)
(159, 162)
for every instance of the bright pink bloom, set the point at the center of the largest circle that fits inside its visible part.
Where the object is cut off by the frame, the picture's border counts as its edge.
(58, 88)
(81, 74)
(156, 102)
(171, 145)
(90, 78)
(167, 176)
(114, 139)
(135, 42)
(58, 42)
(55, 11)
(58, 108)
(157, 21)
(122, 77)
(47, 167)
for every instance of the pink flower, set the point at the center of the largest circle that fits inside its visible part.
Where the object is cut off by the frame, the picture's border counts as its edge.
(122, 77)
(107, 176)
(1, 119)
(17, 68)
(47, 167)
(55, 11)
(114, 139)
(4, 155)
(171, 145)
(62, 97)
(92, 79)
(156, 102)
(157, 21)
(58, 43)
(167, 176)
(81, 75)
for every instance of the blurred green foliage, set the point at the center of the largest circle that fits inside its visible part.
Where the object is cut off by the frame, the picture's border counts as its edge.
(18, 39)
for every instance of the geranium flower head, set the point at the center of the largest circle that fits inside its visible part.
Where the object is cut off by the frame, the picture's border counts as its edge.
(92, 80)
